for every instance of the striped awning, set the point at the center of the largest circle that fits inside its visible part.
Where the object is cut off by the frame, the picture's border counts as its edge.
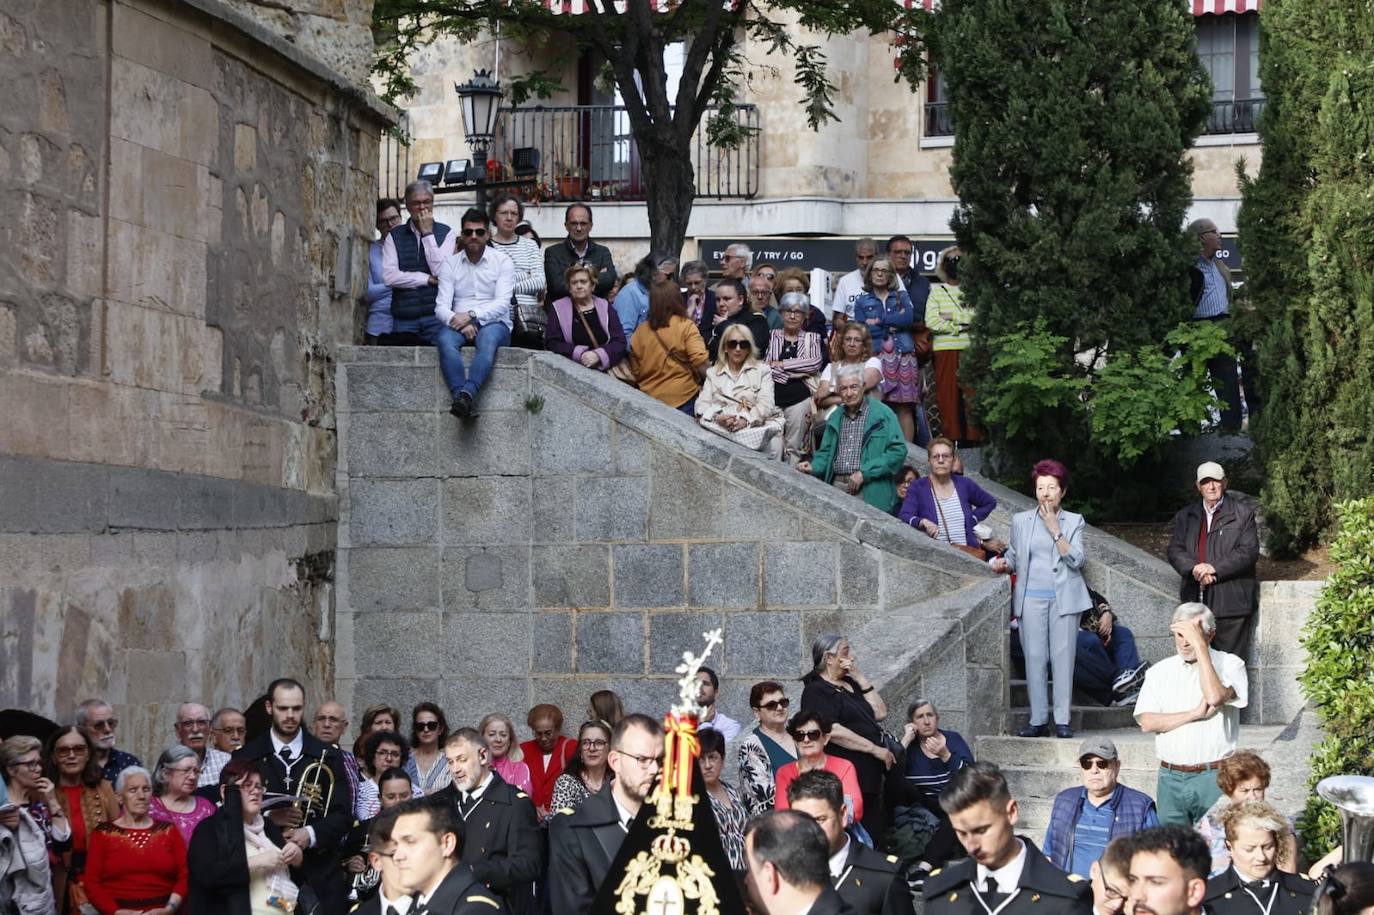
(1200, 7)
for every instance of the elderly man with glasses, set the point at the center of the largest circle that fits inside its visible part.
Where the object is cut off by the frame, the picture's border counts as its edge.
(862, 448)
(228, 729)
(97, 720)
(1084, 819)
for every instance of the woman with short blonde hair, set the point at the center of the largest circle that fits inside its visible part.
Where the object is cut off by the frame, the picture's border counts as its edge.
(737, 396)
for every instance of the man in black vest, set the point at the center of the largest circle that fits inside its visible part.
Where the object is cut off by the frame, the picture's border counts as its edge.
(578, 246)
(867, 881)
(1003, 873)
(502, 843)
(584, 842)
(1214, 548)
(285, 755)
(412, 255)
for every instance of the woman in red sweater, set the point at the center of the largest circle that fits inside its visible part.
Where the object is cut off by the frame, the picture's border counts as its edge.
(546, 754)
(811, 731)
(134, 864)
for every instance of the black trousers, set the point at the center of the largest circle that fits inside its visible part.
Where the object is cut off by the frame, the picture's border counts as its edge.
(1234, 634)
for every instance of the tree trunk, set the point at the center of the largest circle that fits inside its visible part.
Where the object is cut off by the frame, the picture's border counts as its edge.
(671, 186)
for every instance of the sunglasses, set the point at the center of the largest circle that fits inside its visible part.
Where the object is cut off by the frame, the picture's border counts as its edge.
(806, 736)
(737, 344)
(474, 233)
(774, 704)
(426, 725)
(1090, 764)
(109, 724)
(69, 751)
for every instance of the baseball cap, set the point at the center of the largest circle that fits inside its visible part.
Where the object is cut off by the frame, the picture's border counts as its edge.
(1097, 746)
(1210, 470)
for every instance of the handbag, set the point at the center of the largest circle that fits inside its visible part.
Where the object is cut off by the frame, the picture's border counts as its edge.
(621, 371)
(976, 552)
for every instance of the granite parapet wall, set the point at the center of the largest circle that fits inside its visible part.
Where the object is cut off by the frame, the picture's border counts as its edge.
(579, 535)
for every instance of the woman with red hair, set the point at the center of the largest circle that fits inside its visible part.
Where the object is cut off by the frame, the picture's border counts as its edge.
(1046, 554)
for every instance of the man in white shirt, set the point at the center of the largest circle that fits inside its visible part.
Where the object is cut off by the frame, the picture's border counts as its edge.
(1192, 703)
(473, 306)
(1003, 873)
(708, 686)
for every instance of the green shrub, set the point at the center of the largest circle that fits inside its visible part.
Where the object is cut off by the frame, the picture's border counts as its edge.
(1339, 680)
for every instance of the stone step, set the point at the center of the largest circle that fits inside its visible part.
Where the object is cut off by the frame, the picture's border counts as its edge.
(1081, 718)
(1136, 749)
(1020, 697)
(1044, 782)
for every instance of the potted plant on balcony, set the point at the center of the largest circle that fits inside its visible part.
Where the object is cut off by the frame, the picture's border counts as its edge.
(572, 182)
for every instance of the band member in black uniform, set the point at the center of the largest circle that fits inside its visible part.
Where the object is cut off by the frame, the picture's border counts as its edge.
(389, 897)
(1004, 873)
(584, 842)
(295, 762)
(786, 854)
(426, 847)
(867, 881)
(1253, 884)
(502, 845)
(362, 874)
(1168, 871)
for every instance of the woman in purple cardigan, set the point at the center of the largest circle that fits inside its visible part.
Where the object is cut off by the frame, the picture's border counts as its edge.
(582, 326)
(943, 505)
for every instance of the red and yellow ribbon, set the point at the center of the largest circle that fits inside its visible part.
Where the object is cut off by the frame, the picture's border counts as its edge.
(680, 747)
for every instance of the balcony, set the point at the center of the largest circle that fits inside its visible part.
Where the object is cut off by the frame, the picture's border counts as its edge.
(1233, 116)
(588, 152)
(938, 121)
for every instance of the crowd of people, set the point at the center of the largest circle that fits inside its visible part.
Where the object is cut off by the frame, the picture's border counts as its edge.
(250, 811)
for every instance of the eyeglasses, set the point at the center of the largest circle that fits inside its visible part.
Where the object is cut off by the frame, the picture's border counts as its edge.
(108, 724)
(474, 233)
(326, 719)
(388, 754)
(253, 788)
(426, 725)
(770, 277)
(571, 224)
(737, 344)
(593, 744)
(33, 765)
(774, 705)
(645, 761)
(69, 751)
(942, 456)
(194, 723)
(899, 252)
(1094, 763)
(807, 736)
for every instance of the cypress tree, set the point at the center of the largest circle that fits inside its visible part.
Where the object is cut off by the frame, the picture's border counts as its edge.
(1307, 233)
(1072, 119)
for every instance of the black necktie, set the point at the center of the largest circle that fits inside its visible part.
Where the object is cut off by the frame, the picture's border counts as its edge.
(465, 804)
(1256, 886)
(990, 895)
(285, 754)
(391, 910)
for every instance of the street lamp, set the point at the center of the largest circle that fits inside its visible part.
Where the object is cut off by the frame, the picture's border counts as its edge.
(481, 99)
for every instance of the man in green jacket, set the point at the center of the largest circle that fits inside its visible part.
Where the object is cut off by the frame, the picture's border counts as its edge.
(862, 449)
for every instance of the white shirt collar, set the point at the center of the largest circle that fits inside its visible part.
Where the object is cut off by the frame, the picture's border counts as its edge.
(481, 788)
(1008, 876)
(838, 858)
(295, 743)
(626, 817)
(401, 905)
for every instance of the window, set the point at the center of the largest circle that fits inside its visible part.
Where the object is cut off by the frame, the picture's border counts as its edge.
(938, 122)
(1228, 46)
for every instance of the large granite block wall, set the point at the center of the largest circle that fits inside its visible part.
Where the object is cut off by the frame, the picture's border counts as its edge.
(191, 201)
(578, 535)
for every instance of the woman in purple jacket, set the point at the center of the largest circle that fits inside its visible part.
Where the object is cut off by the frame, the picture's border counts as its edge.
(943, 505)
(583, 326)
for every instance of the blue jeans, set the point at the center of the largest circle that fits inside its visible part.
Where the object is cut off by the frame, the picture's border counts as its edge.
(1097, 665)
(450, 342)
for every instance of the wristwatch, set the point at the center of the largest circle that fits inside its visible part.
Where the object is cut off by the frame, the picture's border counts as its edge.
(472, 316)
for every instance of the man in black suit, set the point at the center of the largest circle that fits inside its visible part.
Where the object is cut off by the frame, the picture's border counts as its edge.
(426, 844)
(867, 881)
(1003, 873)
(502, 831)
(786, 853)
(584, 842)
(1214, 548)
(285, 756)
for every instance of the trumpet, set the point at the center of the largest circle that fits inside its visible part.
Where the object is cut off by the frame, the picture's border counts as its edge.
(315, 790)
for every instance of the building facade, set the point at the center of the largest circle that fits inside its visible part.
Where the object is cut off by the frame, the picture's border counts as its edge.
(881, 169)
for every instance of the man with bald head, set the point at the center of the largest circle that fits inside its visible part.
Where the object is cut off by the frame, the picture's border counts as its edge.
(331, 723)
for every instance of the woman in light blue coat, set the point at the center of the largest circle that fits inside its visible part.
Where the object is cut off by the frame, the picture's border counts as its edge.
(1047, 556)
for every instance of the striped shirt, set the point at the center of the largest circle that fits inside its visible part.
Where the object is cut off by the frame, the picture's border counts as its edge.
(951, 517)
(948, 318)
(1212, 302)
(529, 268)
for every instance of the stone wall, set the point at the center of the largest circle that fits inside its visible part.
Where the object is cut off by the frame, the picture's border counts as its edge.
(191, 201)
(578, 535)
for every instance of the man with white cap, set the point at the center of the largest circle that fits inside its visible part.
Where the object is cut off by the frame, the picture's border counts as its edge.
(1084, 819)
(1215, 546)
